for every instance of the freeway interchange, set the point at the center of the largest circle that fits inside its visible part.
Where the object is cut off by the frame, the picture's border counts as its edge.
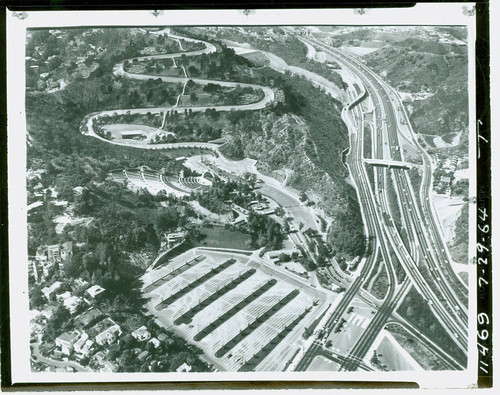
(424, 257)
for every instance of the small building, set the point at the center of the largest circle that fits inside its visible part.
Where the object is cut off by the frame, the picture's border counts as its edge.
(164, 338)
(141, 334)
(66, 342)
(81, 283)
(143, 355)
(175, 237)
(184, 368)
(295, 267)
(62, 297)
(155, 342)
(132, 134)
(34, 205)
(48, 312)
(107, 331)
(48, 291)
(72, 303)
(94, 291)
(77, 191)
(279, 96)
(83, 346)
(108, 367)
(36, 330)
(89, 318)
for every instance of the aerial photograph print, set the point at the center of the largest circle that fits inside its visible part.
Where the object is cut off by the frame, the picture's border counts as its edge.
(248, 199)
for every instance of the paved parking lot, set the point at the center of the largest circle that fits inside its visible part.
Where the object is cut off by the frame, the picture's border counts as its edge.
(225, 304)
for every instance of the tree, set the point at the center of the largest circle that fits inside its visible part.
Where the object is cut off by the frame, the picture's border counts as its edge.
(60, 321)
(37, 298)
(193, 97)
(73, 265)
(114, 352)
(54, 62)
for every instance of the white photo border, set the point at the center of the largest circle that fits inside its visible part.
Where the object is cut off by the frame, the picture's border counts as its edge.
(422, 14)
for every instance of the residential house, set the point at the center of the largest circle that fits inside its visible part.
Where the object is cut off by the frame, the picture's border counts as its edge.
(99, 357)
(105, 365)
(94, 291)
(81, 284)
(142, 356)
(106, 331)
(165, 339)
(184, 368)
(48, 312)
(36, 330)
(89, 318)
(73, 303)
(155, 342)
(78, 190)
(141, 334)
(66, 341)
(108, 367)
(66, 250)
(62, 297)
(53, 253)
(48, 291)
(83, 346)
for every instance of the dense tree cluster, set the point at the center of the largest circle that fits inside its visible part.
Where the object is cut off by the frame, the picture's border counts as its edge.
(109, 92)
(167, 357)
(264, 231)
(60, 321)
(460, 188)
(222, 65)
(417, 311)
(287, 47)
(219, 197)
(346, 232)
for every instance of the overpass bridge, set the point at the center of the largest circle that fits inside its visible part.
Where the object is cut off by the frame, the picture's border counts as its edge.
(389, 163)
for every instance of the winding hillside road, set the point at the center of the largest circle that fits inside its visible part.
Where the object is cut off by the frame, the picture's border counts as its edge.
(118, 70)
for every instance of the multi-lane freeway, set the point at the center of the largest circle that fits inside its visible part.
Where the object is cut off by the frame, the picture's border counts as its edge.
(427, 263)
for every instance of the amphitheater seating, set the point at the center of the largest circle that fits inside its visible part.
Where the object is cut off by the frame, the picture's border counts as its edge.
(191, 183)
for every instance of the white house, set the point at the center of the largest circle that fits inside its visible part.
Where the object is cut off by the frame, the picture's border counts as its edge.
(141, 334)
(94, 291)
(184, 368)
(155, 342)
(72, 303)
(47, 291)
(83, 346)
(108, 331)
(66, 341)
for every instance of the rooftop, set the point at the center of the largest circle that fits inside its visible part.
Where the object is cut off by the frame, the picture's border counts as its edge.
(95, 290)
(47, 291)
(68, 337)
(89, 316)
(184, 368)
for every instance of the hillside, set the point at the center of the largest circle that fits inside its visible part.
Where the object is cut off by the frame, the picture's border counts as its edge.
(306, 136)
(431, 65)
